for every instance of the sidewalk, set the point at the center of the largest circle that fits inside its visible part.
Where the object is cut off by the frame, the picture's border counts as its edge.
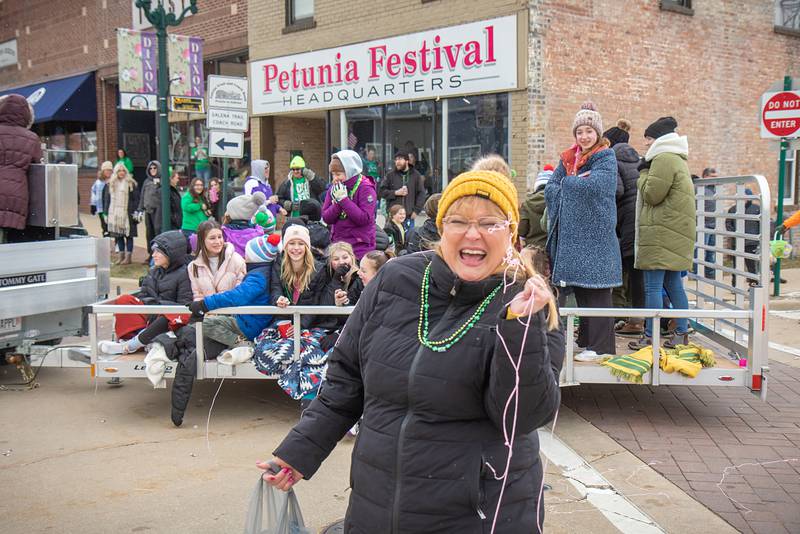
(92, 225)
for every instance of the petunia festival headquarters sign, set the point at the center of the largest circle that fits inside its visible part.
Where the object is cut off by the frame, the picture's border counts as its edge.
(478, 57)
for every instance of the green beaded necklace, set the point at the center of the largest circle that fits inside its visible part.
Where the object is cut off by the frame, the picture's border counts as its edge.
(452, 339)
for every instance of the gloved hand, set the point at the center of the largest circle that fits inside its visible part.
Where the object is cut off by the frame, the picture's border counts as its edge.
(308, 174)
(780, 229)
(93, 209)
(643, 164)
(340, 272)
(338, 192)
(198, 308)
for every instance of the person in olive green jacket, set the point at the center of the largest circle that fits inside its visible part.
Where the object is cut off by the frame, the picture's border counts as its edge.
(666, 218)
(531, 212)
(194, 207)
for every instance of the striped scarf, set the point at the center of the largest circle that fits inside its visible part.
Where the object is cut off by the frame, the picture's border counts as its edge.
(685, 359)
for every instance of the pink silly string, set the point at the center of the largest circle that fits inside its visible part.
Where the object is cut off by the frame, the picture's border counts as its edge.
(513, 263)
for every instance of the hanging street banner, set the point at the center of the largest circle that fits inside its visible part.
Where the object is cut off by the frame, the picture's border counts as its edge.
(472, 58)
(185, 66)
(137, 57)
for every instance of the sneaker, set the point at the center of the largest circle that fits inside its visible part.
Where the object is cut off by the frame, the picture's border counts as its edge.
(640, 343)
(111, 347)
(588, 356)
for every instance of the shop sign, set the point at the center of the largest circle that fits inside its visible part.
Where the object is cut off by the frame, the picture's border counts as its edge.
(8, 53)
(470, 58)
(186, 104)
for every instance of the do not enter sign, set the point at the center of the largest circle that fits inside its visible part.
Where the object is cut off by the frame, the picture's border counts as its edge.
(780, 114)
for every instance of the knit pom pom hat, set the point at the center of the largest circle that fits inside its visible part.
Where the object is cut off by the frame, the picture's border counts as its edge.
(543, 177)
(296, 231)
(244, 207)
(588, 116)
(262, 249)
(490, 185)
(619, 133)
(266, 220)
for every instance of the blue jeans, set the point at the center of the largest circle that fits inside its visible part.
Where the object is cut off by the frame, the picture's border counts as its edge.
(671, 281)
(710, 256)
(204, 174)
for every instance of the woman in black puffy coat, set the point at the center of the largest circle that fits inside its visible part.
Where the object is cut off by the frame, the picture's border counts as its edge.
(427, 358)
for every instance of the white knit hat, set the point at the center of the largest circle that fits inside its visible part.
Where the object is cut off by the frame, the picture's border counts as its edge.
(297, 231)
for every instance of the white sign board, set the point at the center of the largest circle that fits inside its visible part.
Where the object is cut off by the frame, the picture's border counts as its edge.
(470, 58)
(8, 53)
(226, 119)
(140, 22)
(227, 92)
(225, 144)
(138, 102)
(780, 115)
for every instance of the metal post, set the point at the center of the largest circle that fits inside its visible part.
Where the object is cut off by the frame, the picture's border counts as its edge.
(161, 20)
(787, 86)
(163, 127)
(224, 192)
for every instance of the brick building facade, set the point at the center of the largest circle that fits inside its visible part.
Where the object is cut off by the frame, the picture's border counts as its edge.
(707, 66)
(56, 40)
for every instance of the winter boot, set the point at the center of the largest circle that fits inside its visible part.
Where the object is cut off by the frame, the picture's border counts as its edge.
(631, 328)
(640, 343)
(127, 259)
(677, 339)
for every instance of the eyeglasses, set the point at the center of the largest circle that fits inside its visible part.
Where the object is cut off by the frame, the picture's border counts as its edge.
(485, 225)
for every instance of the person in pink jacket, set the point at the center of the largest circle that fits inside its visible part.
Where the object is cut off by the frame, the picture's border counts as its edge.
(217, 267)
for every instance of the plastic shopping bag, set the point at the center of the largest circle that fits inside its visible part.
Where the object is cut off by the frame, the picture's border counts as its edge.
(282, 512)
(780, 248)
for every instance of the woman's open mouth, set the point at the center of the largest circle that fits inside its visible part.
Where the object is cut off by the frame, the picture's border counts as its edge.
(472, 257)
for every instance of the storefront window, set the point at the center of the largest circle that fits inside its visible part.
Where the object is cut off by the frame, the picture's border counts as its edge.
(70, 143)
(478, 125)
(415, 128)
(365, 136)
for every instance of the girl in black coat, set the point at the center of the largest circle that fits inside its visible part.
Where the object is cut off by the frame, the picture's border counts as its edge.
(420, 358)
(337, 284)
(395, 230)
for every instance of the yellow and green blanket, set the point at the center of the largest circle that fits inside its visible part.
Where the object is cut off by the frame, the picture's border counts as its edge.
(685, 359)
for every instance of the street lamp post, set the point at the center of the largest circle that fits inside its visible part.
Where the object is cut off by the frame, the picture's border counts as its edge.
(161, 19)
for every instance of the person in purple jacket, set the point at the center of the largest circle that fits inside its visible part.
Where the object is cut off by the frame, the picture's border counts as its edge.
(349, 208)
(259, 181)
(237, 225)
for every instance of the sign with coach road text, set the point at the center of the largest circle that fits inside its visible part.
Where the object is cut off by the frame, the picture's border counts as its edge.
(780, 115)
(470, 58)
(226, 119)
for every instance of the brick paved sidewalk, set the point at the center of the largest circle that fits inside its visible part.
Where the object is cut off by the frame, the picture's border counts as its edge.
(692, 435)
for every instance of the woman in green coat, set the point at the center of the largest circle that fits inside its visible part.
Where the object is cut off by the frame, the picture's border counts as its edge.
(194, 207)
(666, 218)
(122, 157)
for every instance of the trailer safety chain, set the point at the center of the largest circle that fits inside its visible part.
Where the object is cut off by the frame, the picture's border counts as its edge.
(24, 368)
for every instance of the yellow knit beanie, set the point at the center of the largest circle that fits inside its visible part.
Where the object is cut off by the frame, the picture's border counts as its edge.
(490, 185)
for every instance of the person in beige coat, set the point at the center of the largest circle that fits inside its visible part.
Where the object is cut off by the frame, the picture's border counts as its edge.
(217, 267)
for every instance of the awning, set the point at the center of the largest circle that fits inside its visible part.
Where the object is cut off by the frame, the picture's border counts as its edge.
(68, 99)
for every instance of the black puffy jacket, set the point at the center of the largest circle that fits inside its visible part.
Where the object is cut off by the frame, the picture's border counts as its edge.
(627, 161)
(170, 285)
(432, 428)
(324, 287)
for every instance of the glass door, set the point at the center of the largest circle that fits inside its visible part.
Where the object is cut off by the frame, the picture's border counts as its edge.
(363, 133)
(415, 129)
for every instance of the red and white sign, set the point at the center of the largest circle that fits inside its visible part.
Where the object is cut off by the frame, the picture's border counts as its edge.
(780, 114)
(478, 57)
